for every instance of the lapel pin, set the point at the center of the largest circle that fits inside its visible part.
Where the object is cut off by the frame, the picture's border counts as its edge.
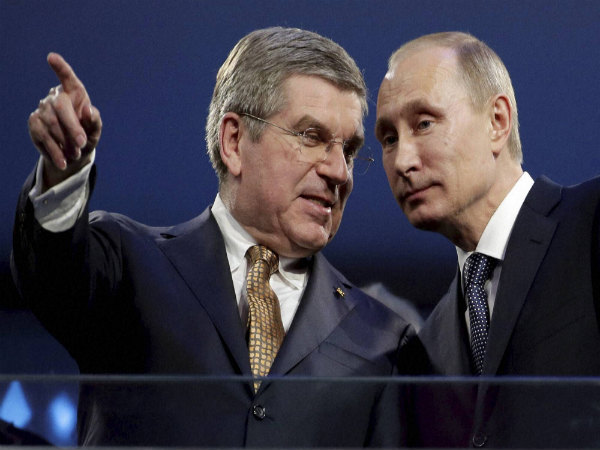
(339, 292)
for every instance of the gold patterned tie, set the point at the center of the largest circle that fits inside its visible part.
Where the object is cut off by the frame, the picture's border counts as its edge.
(266, 331)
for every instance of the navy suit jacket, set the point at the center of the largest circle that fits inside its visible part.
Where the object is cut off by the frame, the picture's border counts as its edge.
(123, 297)
(544, 323)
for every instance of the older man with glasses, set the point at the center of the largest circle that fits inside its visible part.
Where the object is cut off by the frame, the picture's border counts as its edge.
(239, 290)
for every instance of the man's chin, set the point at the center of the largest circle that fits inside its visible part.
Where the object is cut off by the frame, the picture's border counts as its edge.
(313, 242)
(422, 221)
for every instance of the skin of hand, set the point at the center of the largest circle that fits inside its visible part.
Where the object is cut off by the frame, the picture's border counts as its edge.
(65, 127)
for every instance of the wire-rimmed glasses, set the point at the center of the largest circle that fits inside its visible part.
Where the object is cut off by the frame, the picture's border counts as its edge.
(316, 148)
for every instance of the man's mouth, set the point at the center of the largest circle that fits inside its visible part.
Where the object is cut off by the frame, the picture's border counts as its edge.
(414, 192)
(321, 201)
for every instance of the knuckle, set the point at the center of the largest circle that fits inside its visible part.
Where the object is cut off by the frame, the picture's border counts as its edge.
(55, 90)
(59, 106)
(33, 118)
(51, 121)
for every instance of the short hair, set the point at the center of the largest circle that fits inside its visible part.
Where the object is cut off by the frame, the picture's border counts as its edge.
(481, 69)
(251, 78)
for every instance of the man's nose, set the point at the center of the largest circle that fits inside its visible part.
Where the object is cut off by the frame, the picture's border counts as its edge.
(334, 166)
(406, 159)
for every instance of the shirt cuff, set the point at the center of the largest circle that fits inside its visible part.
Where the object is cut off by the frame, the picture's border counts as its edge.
(59, 207)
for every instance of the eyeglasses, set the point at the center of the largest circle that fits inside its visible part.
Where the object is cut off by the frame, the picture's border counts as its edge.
(315, 147)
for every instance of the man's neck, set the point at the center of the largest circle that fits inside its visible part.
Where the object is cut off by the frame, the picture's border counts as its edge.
(465, 232)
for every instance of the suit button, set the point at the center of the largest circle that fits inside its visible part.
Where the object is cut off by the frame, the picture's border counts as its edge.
(259, 412)
(479, 439)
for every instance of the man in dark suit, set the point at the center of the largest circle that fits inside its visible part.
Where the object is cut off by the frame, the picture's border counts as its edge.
(283, 133)
(525, 298)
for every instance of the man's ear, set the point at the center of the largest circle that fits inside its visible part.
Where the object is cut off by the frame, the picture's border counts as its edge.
(501, 122)
(229, 141)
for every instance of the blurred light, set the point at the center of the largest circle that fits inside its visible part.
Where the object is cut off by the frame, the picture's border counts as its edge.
(63, 416)
(14, 408)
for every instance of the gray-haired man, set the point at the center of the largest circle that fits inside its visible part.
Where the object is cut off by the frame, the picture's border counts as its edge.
(283, 134)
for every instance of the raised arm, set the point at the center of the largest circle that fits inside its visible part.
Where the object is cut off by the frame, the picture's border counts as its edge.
(65, 127)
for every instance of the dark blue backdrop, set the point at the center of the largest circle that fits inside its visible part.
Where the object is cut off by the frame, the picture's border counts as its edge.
(150, 67)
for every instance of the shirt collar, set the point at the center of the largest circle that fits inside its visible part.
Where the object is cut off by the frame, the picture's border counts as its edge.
(494, 239)
(238, 241)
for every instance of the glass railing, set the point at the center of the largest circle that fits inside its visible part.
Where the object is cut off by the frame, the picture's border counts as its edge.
(291, 412)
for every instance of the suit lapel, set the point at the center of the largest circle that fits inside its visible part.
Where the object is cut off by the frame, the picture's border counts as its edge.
(197, 251)
(321, 310)
(445, 335)
(527, 246)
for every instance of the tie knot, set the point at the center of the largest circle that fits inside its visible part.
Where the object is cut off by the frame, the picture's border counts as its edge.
(478, 268)
(262, 253)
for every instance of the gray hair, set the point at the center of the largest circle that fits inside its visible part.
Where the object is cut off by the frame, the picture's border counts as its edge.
(251, 78)
(482, 71)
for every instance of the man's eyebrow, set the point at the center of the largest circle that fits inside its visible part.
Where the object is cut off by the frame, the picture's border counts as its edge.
(416, 106)
(308, 121)
(382, 123)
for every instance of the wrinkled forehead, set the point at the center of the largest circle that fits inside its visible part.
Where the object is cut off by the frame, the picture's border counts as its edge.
(312, 101)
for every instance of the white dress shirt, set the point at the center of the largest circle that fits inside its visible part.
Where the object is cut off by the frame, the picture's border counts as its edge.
(288, 282)
(494, 239)
(58, 209)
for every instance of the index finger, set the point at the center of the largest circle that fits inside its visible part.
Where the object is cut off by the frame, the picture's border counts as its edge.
(64, 72)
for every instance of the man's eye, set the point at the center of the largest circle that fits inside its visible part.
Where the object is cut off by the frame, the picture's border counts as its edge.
(389, 140)
(350, 153)
(423, 125)
(311, 138)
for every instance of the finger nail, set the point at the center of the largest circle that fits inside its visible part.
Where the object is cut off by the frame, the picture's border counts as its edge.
(80, 140)
(77, 153)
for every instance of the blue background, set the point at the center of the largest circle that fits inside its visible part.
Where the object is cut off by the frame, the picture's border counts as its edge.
(150, 66)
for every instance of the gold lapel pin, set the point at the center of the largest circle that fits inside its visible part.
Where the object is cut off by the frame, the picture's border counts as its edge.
(339, 292)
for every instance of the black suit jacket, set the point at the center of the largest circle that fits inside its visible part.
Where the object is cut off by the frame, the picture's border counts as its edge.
(123, 297)
(544, 323)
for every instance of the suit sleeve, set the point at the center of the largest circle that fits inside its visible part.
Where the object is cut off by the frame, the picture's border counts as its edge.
(68, 279)
(595, 263)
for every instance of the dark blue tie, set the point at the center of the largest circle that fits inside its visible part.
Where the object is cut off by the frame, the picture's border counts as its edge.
(478, 269)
